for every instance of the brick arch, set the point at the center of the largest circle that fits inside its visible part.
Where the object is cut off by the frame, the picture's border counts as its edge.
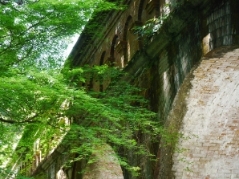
(94, 82)
(112, 60)
(140, 10)
(148, 9)
(102, 58)
(130, 39)
(125, 39)
(210, 129)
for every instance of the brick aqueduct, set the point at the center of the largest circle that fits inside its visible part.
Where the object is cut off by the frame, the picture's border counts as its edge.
(189, 68)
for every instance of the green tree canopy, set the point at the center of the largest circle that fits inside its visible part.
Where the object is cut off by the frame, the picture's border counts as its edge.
(36, 31)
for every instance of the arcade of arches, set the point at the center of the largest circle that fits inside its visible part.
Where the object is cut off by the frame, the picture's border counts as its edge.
(189, 68)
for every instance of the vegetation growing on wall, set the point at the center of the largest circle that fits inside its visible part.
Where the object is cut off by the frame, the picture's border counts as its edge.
(38, 100)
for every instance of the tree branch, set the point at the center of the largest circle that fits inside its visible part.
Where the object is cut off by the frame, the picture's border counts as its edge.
(11, 121)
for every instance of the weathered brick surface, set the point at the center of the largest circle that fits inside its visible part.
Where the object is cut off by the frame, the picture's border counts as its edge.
(211, 124)
(106, 165)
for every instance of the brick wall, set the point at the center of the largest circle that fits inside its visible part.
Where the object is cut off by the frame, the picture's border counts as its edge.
(209, 148)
